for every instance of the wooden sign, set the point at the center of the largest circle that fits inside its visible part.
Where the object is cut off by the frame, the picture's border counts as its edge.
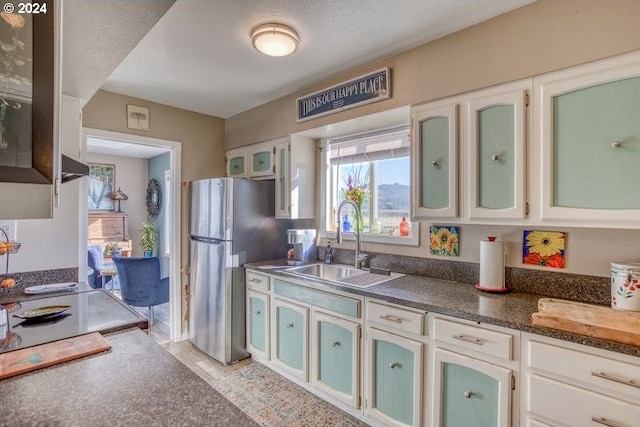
(363, 90)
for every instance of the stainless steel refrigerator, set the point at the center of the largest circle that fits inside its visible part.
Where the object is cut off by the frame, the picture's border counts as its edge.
(232, 222)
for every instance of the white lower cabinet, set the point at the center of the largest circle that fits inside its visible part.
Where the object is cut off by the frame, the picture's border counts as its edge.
(335, 357)
(473, 373)
(568, 384)
(290, 337)
(469, 392)
(394, 365)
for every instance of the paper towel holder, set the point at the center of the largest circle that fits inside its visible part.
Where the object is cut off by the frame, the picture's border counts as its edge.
(493, 289)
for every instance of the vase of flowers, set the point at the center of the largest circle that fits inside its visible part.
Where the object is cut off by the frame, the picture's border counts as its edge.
(357, 191)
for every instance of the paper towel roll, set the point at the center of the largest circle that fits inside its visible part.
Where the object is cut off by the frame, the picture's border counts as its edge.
(491, 264)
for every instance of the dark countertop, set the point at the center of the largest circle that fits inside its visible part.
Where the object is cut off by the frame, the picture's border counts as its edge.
(512, 310)
(137, 382)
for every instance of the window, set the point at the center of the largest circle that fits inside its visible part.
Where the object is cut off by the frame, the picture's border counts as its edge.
(374, 171)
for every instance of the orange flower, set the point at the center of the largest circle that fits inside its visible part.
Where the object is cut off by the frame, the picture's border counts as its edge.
(13, 19)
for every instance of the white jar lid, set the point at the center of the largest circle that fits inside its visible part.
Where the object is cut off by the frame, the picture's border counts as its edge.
(625, 267)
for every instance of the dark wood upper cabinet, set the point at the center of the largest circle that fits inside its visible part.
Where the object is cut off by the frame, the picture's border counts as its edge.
(27, 93)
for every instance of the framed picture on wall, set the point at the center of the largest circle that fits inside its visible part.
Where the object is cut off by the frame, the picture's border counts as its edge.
(101, 184)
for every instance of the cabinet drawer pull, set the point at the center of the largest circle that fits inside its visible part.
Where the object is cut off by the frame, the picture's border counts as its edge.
(254, 280)
(467, 394)
(616, 144)
(465, 338)
(290, 325)
(394, 364)
(335, 343)
(391, 318)
(609, 377)
(605, 421)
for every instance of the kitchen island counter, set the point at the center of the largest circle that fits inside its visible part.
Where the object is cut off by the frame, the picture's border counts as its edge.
(137, 382)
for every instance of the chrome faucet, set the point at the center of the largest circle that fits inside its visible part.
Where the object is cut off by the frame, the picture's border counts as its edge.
(359, 256)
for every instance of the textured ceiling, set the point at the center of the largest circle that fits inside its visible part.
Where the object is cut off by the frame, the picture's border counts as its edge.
(199, 55)
(98, 35)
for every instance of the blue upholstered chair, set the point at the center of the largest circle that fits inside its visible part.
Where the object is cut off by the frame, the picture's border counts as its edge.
(140, 282)
(95, 261)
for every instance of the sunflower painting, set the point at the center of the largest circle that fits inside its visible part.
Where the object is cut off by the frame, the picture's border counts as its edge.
(444, 240)
(544, 248)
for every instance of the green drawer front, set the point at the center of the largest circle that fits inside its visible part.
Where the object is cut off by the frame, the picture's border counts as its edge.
(434, 178)
(588, 171)
(262, 161)
(258, 323)
(335, 303)
(236, 166)
(290, 337)
(335, 358)
(393, 381)
(496, 137)
(479, 409)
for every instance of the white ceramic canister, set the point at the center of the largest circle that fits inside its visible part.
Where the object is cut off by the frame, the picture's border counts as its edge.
(625, 286)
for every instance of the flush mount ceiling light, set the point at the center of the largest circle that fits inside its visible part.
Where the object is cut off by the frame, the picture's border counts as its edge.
(274, 39)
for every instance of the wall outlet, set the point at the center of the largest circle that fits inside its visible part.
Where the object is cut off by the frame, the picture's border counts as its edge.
(9, 227)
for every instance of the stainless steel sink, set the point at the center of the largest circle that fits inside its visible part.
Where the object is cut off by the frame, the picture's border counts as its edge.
(325, 271)
(341, 274)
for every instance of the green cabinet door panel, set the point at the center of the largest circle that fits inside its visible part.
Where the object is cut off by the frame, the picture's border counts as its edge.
(434, 163)
(393, 380)
(496, 140)
(261, 161)
(588, 172)
(258, 325)
(290, 330)
(236, 165)
(335, 356)
(282, 162)
(470, 398)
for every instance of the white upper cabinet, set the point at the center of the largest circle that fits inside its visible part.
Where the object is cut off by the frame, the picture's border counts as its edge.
(237, 163)
(588, 136)
(295, 161)
(434, 158)
(495, 135)
(260, 160)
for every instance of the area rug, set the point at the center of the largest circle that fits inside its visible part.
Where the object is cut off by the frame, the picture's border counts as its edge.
(274, 401)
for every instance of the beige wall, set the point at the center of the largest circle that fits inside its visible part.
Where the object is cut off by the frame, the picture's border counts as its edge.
(201, 136)
(539, 38)
(131, 178)
(544, 36)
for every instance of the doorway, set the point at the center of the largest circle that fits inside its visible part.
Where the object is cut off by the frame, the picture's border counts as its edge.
(96, 143)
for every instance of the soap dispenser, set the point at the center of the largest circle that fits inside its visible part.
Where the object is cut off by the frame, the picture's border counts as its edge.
(328, 253)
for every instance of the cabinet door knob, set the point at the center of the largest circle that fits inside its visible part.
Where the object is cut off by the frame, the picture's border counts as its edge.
(495, 157)
(616, 144)
(467, 394)
(290, 325)
(434, 163)
(394, 364)
(258, 313)
(335, 343)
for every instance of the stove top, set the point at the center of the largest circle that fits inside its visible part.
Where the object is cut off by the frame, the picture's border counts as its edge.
(91, 311)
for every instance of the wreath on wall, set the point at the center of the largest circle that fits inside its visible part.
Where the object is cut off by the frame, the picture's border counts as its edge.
(154, 198)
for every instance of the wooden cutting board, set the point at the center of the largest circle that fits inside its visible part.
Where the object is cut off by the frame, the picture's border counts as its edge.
(44, 355)
(588, 319)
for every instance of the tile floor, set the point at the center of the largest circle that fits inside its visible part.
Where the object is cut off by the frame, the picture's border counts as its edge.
(270, 398)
